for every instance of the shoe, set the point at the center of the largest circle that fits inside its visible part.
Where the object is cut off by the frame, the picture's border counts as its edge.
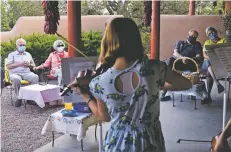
(207, 100)
(30, 102)
(18, 103)
(165, 98)
(220, 88)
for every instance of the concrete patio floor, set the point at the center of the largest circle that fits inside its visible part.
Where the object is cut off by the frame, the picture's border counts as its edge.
(181, 121)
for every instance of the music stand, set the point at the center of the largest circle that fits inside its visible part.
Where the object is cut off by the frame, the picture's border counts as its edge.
(220, 58)
(70, 69)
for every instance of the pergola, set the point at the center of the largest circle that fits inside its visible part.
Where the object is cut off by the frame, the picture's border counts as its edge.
(74, 25)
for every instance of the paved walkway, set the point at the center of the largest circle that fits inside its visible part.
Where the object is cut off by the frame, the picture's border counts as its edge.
(181, 121)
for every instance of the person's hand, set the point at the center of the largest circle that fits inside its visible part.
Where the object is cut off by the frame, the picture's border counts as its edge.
(35, 68)
(227, 130)
(22, 64)
(26, 64)
(82, 91)
(185, 60)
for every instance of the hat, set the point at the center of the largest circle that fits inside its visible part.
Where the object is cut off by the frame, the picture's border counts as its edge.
(58, 42)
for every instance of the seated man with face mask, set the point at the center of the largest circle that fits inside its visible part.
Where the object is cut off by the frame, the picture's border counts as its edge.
(206, 67)
(185, 48)
(54, 60)
(19, 64)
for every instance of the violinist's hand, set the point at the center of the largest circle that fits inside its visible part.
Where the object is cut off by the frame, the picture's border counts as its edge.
(222, 143)
(227, 130)
(80, 92)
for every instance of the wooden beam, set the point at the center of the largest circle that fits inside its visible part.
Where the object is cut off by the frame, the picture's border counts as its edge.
(155, 30)
(74, 26)
(192, 7)
(228, 6)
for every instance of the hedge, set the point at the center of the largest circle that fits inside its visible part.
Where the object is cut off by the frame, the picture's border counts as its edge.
(39, 45)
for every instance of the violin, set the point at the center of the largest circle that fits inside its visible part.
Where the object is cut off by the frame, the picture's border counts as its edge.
(83, 79)
(215, 141)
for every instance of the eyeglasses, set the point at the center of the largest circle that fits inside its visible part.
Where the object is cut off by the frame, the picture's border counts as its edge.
(22, 44)
(60, 45)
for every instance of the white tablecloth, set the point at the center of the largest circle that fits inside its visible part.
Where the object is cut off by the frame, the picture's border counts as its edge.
(70, 125)
(40, 93)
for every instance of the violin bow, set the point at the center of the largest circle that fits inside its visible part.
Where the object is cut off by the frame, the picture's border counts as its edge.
(59, 35)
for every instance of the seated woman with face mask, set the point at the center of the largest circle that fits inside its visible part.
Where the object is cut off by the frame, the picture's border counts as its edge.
(54, 60)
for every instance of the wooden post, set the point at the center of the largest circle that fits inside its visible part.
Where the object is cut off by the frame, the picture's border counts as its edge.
(228, 6)
(74, 26)
(192, 6)
(155, 30)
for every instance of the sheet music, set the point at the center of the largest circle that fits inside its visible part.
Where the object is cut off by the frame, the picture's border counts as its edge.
(220, 58)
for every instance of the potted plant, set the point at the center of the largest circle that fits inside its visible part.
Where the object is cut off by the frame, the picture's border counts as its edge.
(226, 21)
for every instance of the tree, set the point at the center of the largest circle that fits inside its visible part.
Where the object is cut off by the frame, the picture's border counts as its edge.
(208, 8)
(4, 17)
(11, 11)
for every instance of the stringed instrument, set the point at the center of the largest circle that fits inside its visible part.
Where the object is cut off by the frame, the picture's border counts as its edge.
(214, 142)
(83, 79)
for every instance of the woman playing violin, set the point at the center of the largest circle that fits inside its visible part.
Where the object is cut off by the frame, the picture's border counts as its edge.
(127, 94)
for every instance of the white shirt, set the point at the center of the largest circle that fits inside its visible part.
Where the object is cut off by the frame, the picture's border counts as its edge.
(16, 57)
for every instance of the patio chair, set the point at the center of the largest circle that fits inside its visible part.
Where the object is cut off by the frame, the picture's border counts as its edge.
(7, 82)
(203, 77)
(47, 75)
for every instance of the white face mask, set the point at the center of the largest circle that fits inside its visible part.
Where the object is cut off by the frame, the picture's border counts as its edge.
(60, 49)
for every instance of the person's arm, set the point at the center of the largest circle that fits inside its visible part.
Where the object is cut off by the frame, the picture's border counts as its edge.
(199, 58)
(95, 102)
(47, 63)
(31, 63)
(222, 143)
(11, 64)
(177, 54)
(204, 51)
(98, 107)
(176, 50)
(175, 82)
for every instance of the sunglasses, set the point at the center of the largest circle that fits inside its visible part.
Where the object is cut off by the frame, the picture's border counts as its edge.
(22, 45)
(60, 45)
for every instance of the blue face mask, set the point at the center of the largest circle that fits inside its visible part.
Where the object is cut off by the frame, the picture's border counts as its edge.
(21, 48)
(212, 36)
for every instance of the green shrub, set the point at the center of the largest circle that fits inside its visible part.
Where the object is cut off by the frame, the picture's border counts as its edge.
(91, 42)
(145, 33)
(36, 44)
(39, 44)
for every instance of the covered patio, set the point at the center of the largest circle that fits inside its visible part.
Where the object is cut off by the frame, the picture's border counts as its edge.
(181, 121)
(178, 122)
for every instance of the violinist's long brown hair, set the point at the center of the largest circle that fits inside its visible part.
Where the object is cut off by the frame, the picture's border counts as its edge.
(121, 39)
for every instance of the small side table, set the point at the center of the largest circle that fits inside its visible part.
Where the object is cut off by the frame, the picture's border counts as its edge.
(196, 92)
(40, 93)
(70, 125)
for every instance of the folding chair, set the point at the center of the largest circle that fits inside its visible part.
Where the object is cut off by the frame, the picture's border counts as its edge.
(8, 83)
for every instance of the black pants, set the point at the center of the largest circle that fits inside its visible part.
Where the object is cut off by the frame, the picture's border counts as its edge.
(169, 63)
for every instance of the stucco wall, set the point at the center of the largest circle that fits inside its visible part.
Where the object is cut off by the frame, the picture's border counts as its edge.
(173, 28)
(176, 27)
(30, 24)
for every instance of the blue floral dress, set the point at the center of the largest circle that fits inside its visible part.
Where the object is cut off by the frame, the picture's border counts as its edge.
(135, 125)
